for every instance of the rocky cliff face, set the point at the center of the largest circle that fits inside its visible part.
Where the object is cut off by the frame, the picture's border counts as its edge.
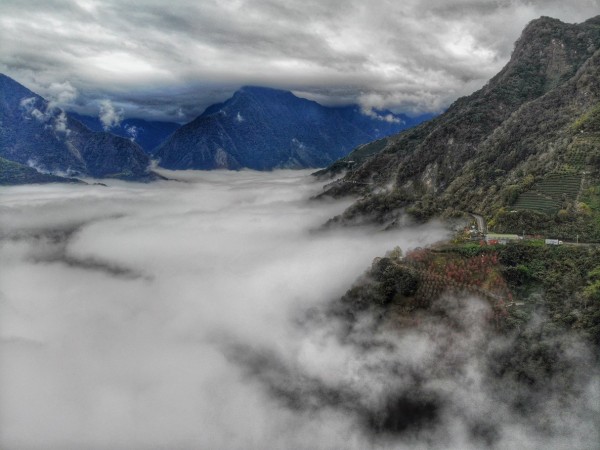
(33, 132)
(263, 129)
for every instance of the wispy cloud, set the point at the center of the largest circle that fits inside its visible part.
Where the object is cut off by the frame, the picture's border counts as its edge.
(132, 131)
(61, 95)
(109, 115)
(383, 117)
(48, 113)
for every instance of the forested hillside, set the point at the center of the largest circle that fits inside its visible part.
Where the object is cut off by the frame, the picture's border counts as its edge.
(523, 151)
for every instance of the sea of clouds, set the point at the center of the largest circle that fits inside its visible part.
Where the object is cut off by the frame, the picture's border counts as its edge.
(124, 309)
(199, 313)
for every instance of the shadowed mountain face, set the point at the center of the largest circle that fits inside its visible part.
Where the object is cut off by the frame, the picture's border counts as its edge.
(38, 134)
(13, 173)
(508, 151)
(263, 129)
(147, 134)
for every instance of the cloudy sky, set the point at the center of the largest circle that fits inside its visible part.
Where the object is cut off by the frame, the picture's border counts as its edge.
(170, 60)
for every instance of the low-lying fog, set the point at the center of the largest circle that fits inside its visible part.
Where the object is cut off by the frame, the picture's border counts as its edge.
(120, 307)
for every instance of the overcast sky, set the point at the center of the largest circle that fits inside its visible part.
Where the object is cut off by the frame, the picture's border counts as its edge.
(169, 60)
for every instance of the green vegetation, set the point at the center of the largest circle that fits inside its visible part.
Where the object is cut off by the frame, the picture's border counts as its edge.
(589, 122)
(354, 159)
(520, 281)
(535, 201)
(367, 150)
(558, 281)
(550, 194)
(523, 152)
(543, 316)
(529, 141)
(12, 173)
(535, 345)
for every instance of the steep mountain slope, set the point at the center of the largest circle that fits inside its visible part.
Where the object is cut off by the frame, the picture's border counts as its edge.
(12, 173)
(530, 129)
(36, 133)
(263, 128)
(147, 134)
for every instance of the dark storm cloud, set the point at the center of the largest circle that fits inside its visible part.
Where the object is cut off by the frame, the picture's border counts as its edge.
(155, 60)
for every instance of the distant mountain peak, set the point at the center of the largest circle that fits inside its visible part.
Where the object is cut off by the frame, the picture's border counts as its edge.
(147, 134)
(32, 131)
(265, 128)
(261, 90)
(266, 93)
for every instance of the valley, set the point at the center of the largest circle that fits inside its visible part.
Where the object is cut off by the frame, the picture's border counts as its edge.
(255, 255)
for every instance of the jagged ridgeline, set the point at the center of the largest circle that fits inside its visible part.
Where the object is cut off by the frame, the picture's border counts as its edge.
(263, 129)
(35, 134)
(524, 151)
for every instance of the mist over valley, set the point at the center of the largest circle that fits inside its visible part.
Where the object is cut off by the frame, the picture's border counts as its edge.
(172, 276)
(120, 305)
(205, 312)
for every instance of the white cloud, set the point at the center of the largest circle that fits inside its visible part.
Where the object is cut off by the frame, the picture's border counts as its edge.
(27, 103)
(383, 117)
(190, 314)
(60, 124)
(109, 115)
(30, 107)
(60, 94)
(116, 303)
(132, 131)
(54, 117)
(174, 314)
(419, 55)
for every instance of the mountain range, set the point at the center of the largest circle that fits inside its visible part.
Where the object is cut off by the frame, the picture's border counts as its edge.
(258, 128)
(147, 134)
(523, 148)
(36, 133)
(262, 128)
(523, 151)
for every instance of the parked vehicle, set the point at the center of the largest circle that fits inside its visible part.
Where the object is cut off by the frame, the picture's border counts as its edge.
(553, 242)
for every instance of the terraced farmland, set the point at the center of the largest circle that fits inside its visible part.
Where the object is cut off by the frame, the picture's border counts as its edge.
(560, 186)
(537, 202)
(548, 195)
(578, 154)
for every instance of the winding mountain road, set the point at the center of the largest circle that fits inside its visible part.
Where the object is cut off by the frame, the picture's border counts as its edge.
(481, 225)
